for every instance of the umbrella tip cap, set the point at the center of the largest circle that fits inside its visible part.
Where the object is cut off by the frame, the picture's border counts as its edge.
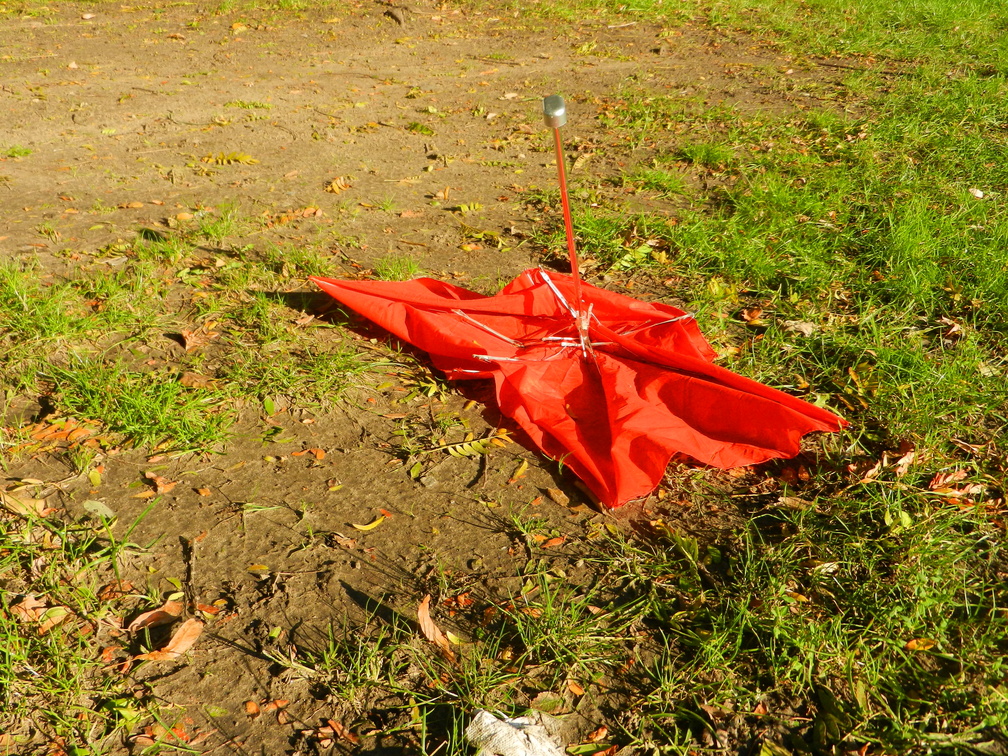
(554, 111)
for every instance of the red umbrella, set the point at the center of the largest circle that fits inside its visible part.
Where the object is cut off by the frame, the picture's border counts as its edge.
(608, 385)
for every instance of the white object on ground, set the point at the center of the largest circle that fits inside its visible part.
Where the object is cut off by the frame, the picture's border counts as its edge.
(522, 736)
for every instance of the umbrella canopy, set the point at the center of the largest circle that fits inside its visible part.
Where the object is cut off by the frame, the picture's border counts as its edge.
(612, 389)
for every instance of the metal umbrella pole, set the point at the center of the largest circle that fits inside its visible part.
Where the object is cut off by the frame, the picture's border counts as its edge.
(555, 115)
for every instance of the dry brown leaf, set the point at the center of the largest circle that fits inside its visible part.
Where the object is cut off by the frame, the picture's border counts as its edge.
(920, 644)
(183, 639)
(24, 506)
(195, 380)
(343, 732)
(161, 485)
(338, 185)
(431, 631)
(596, 735)
(558, 496)
(31, 609)
(28, 609)
(166, 614)
(275, 705)
(574, 688)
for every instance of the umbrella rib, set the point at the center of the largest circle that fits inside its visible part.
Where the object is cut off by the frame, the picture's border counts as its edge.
(468, 318)
(684, 316)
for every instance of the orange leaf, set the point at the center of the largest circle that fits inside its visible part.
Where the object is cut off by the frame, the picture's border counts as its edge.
(183, 639)
(574, 688)
(431, 631)
(251, 708)
(165, 615)
(161, 485)
(342, 731)
(553, 542)
(920, 644)
(597, 735)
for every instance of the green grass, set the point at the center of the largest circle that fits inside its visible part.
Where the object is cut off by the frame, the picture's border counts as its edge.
(149, 408)
(53, 684)
(841, 602)
(396, 268)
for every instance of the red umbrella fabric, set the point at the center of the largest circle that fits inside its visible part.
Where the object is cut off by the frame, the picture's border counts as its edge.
(614, 406)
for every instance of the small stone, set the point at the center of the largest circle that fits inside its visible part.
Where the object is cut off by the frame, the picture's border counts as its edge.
(429, 481)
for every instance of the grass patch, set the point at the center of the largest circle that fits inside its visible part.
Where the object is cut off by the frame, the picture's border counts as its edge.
(151, 408)
(17, 151)
(60, 588)
(396, 268)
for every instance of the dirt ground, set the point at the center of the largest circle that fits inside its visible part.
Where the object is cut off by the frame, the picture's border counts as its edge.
(131, 114)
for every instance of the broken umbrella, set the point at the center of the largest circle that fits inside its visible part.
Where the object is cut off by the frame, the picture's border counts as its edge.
(610, 386)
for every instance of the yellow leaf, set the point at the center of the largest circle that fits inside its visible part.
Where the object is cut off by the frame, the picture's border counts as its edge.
(371, 525)
(520, 472)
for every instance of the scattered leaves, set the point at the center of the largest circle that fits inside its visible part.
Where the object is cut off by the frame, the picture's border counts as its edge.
(229, 159)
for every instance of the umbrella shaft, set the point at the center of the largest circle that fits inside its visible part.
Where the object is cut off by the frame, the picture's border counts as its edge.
(568, 225)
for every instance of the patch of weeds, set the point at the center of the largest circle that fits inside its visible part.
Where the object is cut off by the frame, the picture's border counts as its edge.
(16, 151)
(248, 105)
(708, 154)
(150, 409)
(170, 250)
(60, 586)
(308, 375)
(298, 261)
(260, 317)
(37, 321)
(658, 180)
(396, 268)
(215, 227)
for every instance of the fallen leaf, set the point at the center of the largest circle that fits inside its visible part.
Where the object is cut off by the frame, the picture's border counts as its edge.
(553, 542)
(431, 631)
(183, 639)
(574, 688)
(251, 708)
(24, 506)
(519, 472)
(558, 496)
(195, 380)
(342, 731)
(203, 491)
(596, 735)
(920, 644)
(166, 614)
(28, 609)
(337, 185)
(275, 705)
(371, 525)
(801, 327)
(161, 485)
(53, 616)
